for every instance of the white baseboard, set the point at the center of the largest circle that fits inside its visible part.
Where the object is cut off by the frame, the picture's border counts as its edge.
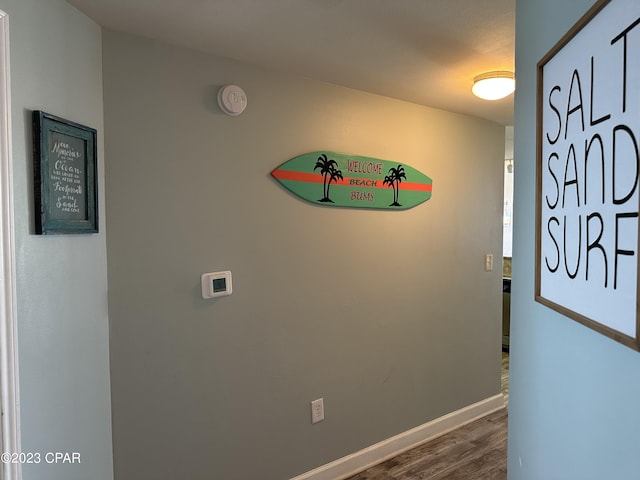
(356, 462)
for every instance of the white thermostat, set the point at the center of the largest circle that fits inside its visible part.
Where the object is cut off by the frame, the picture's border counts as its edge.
(216, 284)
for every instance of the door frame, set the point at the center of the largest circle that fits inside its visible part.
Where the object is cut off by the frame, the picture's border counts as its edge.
(9, 393)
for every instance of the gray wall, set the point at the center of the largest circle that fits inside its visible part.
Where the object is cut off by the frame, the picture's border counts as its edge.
(389, 316)
(56, 66)
(574, 394)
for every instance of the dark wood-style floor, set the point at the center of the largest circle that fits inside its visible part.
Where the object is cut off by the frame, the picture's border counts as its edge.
(475, 451)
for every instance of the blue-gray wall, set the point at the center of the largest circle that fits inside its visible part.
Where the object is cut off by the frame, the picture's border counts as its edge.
(574, 393)
(56, 66)
(388, 315)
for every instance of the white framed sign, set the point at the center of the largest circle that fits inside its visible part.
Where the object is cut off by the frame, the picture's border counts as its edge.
(588, 141)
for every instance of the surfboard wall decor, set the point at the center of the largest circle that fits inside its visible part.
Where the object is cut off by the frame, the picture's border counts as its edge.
(340, 180)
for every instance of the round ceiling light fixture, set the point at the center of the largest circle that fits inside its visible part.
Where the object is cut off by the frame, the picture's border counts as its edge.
(494, 85)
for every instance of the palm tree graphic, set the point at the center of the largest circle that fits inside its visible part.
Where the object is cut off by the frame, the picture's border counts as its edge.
(330, 174)
(393, 179)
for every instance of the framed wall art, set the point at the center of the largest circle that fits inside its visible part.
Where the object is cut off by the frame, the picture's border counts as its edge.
(588, 166)
(65, 176)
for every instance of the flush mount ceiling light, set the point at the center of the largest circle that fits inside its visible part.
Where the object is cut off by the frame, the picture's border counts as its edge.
(494, 85)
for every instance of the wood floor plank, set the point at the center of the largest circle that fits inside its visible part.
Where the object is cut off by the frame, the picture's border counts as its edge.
(476, 451)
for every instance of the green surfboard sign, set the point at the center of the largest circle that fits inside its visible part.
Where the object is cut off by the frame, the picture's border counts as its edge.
(341, 180)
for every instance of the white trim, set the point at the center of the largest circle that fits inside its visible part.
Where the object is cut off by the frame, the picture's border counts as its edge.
(352, 464)
(9, 398)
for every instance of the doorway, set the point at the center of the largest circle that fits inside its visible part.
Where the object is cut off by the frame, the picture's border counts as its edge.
(507, 242)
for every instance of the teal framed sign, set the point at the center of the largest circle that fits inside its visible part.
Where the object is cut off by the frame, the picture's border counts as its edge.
(65, 176)
(342, 180)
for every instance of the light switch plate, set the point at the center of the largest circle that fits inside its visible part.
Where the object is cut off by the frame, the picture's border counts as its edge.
(488, 262)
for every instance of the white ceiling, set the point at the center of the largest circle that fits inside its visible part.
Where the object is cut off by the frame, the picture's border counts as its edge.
(422, 51)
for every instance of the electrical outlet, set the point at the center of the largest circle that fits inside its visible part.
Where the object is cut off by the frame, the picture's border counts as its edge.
(488, 262)
(317, 410)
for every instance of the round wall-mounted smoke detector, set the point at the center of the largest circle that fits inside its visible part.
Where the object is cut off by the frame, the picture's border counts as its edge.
(232, 100)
